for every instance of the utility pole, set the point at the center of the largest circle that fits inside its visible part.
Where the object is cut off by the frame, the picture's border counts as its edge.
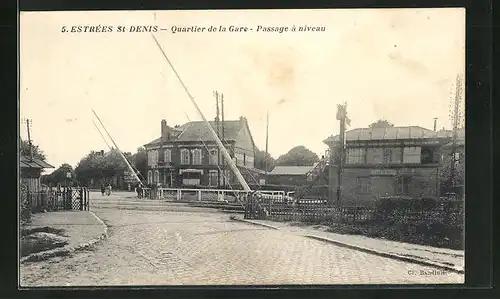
(223, 140)
(455, 121)
(267, 143)
(28, 125)
(216, 94)
(344, 120)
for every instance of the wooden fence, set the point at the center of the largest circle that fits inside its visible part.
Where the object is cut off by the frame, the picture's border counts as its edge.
(58, 199)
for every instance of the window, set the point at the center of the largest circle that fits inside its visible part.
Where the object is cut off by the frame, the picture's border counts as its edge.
(153, 157)
(375, 155)
(197, 156)
(184, 156)
(427, 156)
(387, 157)
(150, 177)
(214, 157)
(167, 156)
(157, 176)
(213, 178)
(411, 155)
(250, 161)
(150, 158)
(355, 156)
(363, 185)
(404, 185)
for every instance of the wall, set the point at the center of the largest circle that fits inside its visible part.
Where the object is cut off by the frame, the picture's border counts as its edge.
(244, 149)
(422, 182)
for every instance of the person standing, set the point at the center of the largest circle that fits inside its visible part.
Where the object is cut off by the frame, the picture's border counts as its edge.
(139, 191)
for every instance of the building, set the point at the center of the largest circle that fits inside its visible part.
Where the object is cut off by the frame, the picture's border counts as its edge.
(31, 171)
(393, 161)
(188, 156)
(290, 175)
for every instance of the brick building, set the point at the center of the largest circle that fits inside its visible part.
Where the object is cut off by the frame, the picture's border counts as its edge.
(179, 158)
(393, 161)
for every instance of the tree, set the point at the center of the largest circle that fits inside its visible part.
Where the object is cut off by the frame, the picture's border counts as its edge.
(260, 160)
(140, 160)
(298, 156)
(24, 150)
(381, 123)
(59, 176)
(96, 166)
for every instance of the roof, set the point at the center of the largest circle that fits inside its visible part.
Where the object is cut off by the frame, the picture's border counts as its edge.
(27, 162)
(198, 131)
(256, 170)
(292, 170)
(390, 133)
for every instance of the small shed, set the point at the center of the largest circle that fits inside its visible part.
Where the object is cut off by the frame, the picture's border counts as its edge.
(290, 175)
(31, 170)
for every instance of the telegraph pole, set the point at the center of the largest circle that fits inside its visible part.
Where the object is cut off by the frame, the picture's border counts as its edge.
(267, 143)
(344, 120)
(28, 125)
(455, 120)
(223, 140)
(216, 94)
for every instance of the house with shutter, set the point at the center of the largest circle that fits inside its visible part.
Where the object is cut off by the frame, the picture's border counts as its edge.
(188, 155)
(392, 161)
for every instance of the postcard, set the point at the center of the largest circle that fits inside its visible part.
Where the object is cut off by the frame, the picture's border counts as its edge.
(242, 147)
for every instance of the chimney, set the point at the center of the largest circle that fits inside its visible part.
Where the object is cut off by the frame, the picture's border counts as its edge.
(164, 129)
(435, 123)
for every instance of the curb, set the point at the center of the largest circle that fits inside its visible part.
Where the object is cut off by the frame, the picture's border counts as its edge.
(66, 250)
(255, 223)
(389, 255)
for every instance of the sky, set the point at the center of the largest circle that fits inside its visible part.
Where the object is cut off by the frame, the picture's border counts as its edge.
(395, 64)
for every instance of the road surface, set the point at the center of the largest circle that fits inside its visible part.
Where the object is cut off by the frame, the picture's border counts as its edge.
(158, 243)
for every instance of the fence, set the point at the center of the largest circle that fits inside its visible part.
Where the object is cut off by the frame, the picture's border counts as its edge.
(385, 211)
(58, 199)
(225, 195)
(312, 210)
